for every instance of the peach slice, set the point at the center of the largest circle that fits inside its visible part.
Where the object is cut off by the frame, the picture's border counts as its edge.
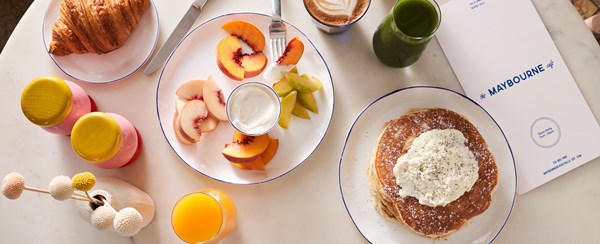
(236, 65)
(253, 64)
(270, 151)
(192, 115)
(242, 166)
(292, 53)
(259, 163)
(214, 99)
(191, 90)
(230, 59)
(209, 124)
(179, 103)
(245, 149)
(229, 50)
(256, 164)
(247, 32)
(179, 134)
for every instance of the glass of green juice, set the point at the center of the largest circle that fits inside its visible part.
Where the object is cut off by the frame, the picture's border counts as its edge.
(405, 31)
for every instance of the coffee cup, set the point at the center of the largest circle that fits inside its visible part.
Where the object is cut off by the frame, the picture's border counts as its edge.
(336, 16)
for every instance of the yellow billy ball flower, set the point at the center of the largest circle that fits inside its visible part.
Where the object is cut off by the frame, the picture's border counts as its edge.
(83, 181)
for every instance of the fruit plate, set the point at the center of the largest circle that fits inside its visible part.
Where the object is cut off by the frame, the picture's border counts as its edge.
(114, 65)
(358, 151)
(196, 58)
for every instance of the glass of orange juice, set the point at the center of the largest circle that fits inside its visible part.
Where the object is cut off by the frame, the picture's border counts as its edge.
(206, 216)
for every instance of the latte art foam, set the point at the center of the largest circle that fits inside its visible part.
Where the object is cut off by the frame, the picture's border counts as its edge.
(336, 12)
(337, 7)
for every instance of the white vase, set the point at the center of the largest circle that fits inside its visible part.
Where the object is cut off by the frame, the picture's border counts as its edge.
(119, 194)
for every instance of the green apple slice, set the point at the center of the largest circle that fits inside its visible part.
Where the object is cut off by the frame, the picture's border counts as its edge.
(303, 84)
(313, 79)
(308, 101)
(300, 111)
(287, 105)
(283, 87)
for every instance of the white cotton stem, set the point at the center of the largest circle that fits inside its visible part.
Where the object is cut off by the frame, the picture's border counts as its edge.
(47, 192)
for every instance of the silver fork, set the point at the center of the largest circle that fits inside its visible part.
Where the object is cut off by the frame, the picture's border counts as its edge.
(277, 32)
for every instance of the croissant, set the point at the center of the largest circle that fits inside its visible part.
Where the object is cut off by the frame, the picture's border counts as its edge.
(95, 26)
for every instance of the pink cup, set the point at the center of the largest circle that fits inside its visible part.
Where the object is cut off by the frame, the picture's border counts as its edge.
(55, 104)
(106, 140)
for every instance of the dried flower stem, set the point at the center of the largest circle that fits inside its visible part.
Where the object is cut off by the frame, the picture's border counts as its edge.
(94, 200)
(47, 192)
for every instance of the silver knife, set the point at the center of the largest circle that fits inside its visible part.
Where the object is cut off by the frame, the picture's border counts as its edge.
(182, 28)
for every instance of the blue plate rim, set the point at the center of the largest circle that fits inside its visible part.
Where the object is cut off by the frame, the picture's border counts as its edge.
(422, 87)
(263, 181)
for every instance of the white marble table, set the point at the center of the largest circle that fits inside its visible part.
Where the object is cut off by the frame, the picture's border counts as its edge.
(305, 206)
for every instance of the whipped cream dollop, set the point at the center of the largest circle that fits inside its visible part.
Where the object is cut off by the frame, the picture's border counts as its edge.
(274, 72)
(437, 169)
(337, 7)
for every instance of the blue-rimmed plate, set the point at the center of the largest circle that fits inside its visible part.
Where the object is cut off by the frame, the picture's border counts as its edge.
(114, 65)
(358, 151)
(196, 58)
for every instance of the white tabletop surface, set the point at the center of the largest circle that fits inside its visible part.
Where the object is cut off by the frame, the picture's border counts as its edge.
(304, 206)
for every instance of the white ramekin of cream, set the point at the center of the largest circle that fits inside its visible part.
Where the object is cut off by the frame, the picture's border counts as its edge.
(253, 108)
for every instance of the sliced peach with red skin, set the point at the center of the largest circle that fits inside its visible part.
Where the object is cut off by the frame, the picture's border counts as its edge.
(236, 65)
(192, 115)
(293, 52)
(230, 59)
(209, 124)
(256, 164)
(248, 32)
(270, 151)
(253, 64)
(229, 50)
(179, 103)
(244, 148)
(214, 99)
(191, 90)
(260, 162)
(242, 166)
(240, 153)
(179, 134)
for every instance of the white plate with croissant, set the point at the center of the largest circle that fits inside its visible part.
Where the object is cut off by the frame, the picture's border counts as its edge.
(100, 46)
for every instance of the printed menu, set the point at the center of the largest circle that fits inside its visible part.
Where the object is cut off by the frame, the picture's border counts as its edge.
(506, 61)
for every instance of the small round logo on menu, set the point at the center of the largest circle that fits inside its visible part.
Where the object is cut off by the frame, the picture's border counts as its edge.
(545, 132)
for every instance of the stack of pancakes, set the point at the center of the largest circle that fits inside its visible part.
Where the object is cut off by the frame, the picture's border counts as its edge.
(434, 222)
